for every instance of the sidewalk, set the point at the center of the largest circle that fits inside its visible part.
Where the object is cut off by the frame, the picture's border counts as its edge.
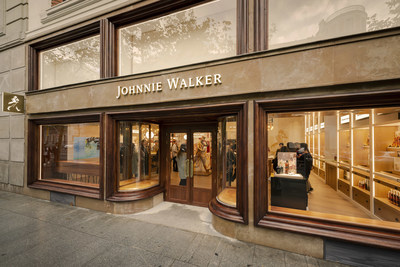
(34, 232)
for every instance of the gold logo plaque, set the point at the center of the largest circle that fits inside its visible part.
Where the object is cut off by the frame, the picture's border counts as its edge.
(13, 103)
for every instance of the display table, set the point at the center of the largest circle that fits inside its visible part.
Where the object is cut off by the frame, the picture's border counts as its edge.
(289, 191)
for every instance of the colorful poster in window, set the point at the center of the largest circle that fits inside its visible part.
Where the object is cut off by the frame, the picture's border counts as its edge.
(86, 147)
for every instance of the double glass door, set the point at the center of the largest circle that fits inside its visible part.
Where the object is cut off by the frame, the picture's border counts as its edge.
(191, 164)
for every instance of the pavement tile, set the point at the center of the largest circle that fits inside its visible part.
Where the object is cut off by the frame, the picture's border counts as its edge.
(118, 256)
(153, 259)
(177, 243)
(86, 253)
(235, 253)
(292, 259)
(22, 245)
(54, 250)
(178, 263)
(265, 256)
(203, 251)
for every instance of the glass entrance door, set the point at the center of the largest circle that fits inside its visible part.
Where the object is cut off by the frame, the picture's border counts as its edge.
(191, 165)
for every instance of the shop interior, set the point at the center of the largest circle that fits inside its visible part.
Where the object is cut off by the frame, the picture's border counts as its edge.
(355, 165)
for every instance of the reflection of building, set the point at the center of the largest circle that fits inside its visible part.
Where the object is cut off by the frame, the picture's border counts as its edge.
(346, 21)
(228, 95)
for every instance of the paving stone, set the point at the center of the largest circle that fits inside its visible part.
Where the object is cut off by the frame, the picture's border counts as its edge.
(153, 259)
(292, 259)
(119, 256)
(235, 253)
(265, 256)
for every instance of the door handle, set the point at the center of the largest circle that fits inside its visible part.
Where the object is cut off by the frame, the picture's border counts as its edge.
(191, 168)
(187, 168)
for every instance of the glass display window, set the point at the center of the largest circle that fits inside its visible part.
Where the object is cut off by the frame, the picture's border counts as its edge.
(70, 153)
(227, 161)
(75, 62)
(360, 176)
(139, 161)
(205, 32)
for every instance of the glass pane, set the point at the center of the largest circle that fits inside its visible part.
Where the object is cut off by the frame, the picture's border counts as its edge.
(129, 155)
(294, 22)
(202, 162)
(139, 156)
(179, 163)
(71, 153)
(227, 155)
(71, 63)
(198, 34)
(359, 158)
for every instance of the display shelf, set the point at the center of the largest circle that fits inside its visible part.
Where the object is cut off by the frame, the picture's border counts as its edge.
(344, 187)
(362, 168)
(389, 182)
(387, 175)
(362, 197)
(386, 210)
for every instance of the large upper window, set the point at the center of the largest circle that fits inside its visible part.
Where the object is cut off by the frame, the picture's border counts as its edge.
(71, 63)
(342, 164)
(202, 33)
(294, 22)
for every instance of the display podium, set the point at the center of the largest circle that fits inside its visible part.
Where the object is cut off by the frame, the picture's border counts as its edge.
(289, 191)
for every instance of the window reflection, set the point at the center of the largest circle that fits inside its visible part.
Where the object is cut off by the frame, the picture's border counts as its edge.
(201, 33)
(70, 153)
(71, 63)
(227, 161)
(295, 22)
(138, 156)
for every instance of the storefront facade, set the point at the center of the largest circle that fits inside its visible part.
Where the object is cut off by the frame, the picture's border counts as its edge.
(120, 118)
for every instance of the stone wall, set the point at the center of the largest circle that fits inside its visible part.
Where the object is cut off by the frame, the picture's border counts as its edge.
(13, 24)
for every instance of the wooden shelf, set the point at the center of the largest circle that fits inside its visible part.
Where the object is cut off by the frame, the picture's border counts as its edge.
(367, 192)
(345, 181)
(387, 182)
(362, 197)
(389, 176)
(388, 203)
(361, 168)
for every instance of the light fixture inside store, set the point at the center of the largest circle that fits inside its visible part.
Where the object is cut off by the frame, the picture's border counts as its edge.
(147, 135)
(270, 125)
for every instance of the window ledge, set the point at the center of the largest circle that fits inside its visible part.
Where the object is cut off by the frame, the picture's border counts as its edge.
(225, 212)
(136, 195)
(65, 8)
(78, 190)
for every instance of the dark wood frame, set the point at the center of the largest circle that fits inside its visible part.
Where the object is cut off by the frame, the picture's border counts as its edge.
(72, 36)
(34, 156)
(189, 128)
(107, 28)
(374, 235)
(239, 214)
(260, 25)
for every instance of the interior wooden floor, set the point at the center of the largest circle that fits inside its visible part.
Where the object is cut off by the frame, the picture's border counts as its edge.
(325, 199)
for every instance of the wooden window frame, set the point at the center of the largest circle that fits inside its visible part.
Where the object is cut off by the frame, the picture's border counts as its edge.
(239, 214)
(375, 235)
(62, 39)
(33, 161)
